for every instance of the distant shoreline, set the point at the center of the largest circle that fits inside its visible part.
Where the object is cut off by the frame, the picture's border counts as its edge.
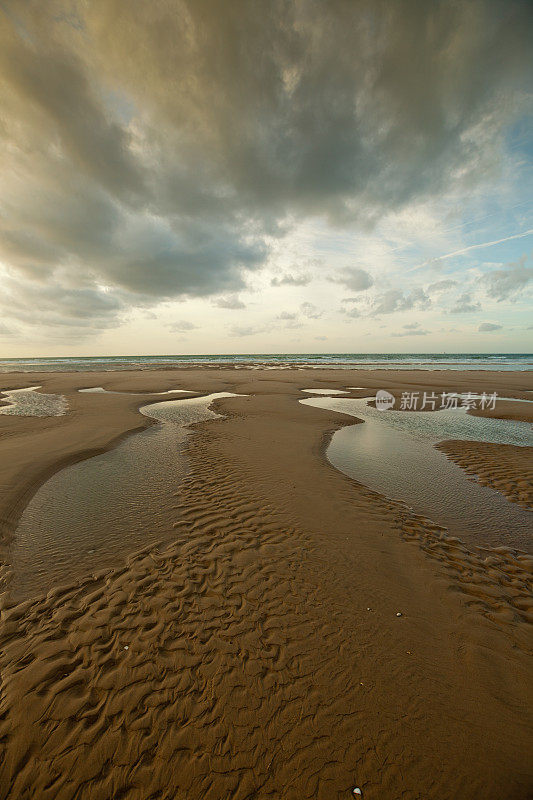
(422, 361)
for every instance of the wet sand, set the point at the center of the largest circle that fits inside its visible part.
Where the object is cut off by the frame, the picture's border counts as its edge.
(503, 467)
(91, 513)
(259, 654)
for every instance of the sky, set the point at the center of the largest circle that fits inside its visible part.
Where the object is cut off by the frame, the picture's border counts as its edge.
(253, 176)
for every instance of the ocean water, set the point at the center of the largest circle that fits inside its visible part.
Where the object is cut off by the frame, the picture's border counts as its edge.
(453, 361)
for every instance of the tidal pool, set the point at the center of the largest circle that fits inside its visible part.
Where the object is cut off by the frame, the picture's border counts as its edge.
(325, 391)
(32, 403)
(101, 390)
(89, 515)
(392, 453)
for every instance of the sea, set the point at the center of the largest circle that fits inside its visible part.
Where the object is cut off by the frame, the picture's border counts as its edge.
(426, 361)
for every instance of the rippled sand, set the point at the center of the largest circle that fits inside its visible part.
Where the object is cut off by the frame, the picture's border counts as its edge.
(301, 635)
(506, 468)
(90, 514)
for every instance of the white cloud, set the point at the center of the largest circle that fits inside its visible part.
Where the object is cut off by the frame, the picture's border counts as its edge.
(416, 332)
(310, 311)
(507, 283)
(396, 300)
(241, 331)
(354, 279)
(287, 315)
(182, 326)
(465, 304)
(441, 286)
(232, 302)
(291, 280)
(485, 327)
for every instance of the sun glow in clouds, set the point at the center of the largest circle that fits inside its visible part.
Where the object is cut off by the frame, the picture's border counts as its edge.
(351, 177)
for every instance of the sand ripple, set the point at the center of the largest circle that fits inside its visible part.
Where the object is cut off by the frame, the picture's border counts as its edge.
(197, 663)
(507, 468)
(242, 661)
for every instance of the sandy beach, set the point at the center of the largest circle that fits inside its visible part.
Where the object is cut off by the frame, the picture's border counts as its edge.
(294, 634)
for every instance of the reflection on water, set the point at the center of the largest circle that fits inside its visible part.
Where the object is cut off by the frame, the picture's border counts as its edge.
(101, 390)
(87, 516)
(325, 391)
(32, 403)
(392, 452)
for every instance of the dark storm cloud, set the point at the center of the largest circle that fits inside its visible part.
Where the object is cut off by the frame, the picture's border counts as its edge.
(154, 148)
(317, 104)
(47, 80)
(54, 306)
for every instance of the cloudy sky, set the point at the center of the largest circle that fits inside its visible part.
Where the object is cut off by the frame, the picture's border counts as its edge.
(197, 176)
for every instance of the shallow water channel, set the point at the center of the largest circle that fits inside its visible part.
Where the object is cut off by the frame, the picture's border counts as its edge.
(392, 453)
(89, 515)
(30, 402)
